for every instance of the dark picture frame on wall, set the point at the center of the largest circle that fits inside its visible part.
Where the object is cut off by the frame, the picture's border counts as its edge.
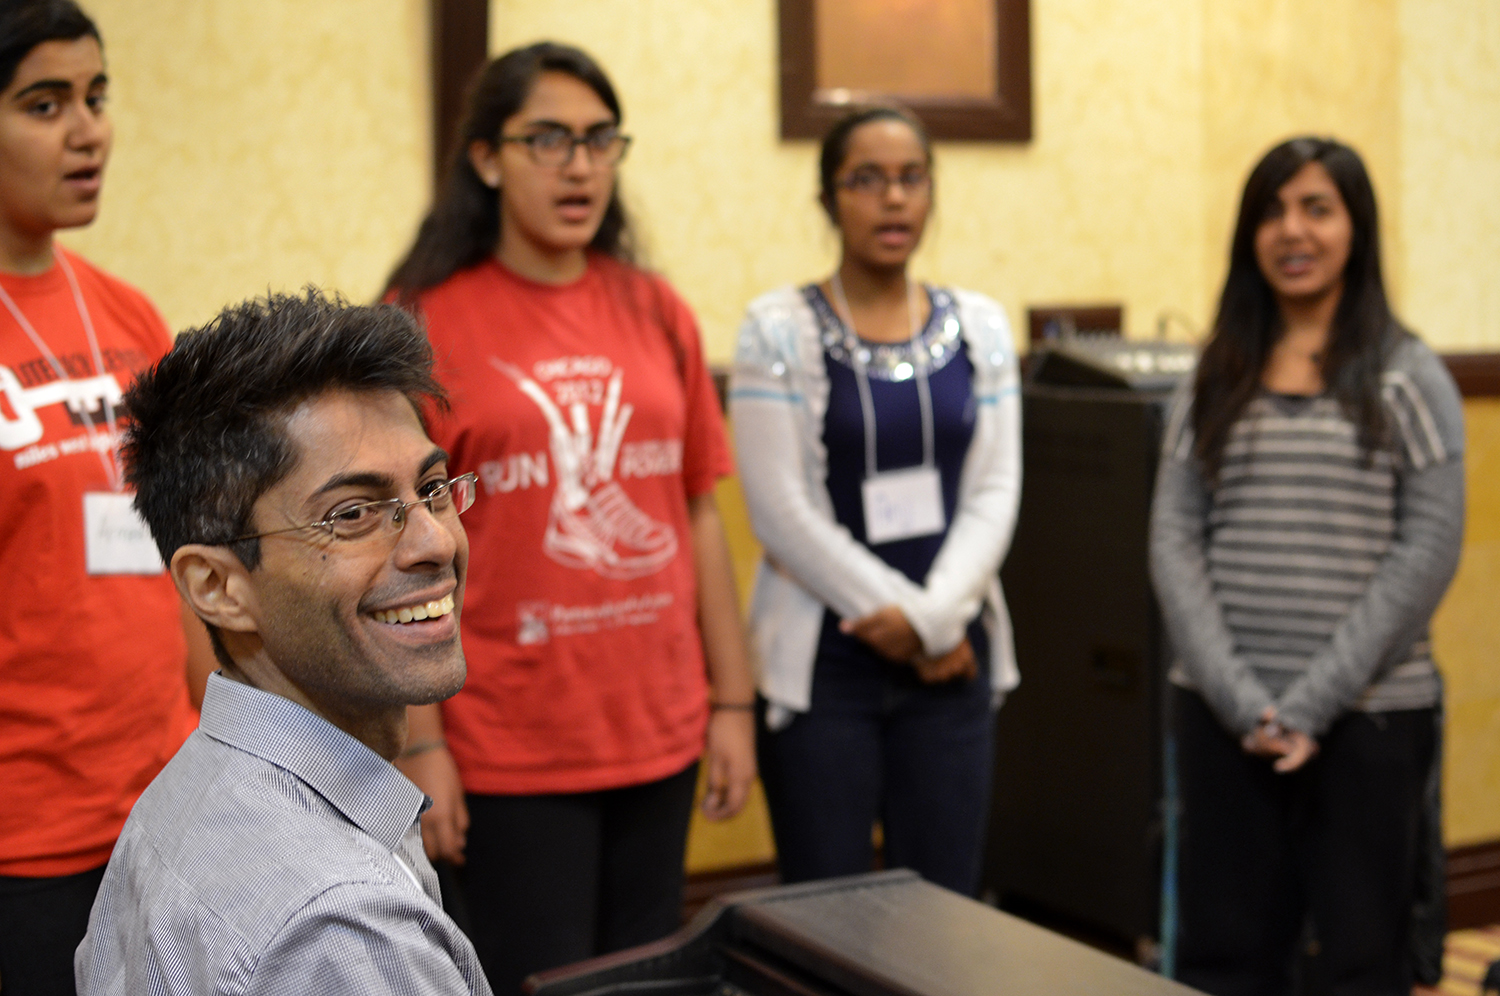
(993, 105)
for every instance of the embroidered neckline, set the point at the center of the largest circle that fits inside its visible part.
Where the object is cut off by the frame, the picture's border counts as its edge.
(939, 341)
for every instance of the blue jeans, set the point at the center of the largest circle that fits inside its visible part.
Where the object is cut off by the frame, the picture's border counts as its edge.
(877, 743)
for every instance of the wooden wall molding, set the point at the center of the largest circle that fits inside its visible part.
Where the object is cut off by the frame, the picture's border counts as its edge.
(1477, 374)
(701, 887)
(460, 45)
(1474, 885)
(1004, 116)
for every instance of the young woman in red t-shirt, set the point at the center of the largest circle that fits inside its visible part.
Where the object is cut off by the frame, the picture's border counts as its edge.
(601, 627)
(93, 695)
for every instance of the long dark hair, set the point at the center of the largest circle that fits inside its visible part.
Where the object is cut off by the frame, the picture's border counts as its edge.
(836, 146)
(25, 25)
(463, 226)
(1249, 320)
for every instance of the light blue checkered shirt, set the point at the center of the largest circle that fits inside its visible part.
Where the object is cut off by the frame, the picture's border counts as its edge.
(275, 854)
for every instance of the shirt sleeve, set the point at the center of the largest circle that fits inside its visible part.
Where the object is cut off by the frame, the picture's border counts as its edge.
(800, 538)
(1179, 572)
(990, 495)
(355, 938)
(1425, 414)
(705, 445)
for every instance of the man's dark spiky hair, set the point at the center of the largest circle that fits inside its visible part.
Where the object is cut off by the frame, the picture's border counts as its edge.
(206, 436)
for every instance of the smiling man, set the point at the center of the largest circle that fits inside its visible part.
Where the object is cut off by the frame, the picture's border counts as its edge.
(282, 465)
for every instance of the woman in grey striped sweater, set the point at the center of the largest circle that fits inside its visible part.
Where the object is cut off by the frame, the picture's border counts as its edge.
(1307, 520)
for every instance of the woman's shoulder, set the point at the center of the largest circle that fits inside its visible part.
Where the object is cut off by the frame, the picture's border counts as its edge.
(105, 281)
(779, 327)
(976, 308)
(1416, 383)
(481, 278)
(603, 265)
(1410, 360)
(972, 299)
(783, 313)
(785, 300)
(124, 301)
(984, 322)
(1407, 352)
(649, 290)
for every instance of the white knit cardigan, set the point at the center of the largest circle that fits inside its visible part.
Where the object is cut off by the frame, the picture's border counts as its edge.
(778, 397)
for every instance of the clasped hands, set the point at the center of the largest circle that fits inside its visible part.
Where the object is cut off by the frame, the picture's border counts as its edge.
(1291, 748)
(888, 632)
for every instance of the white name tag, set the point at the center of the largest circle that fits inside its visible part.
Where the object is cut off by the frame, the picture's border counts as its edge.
(115, 537)
(901, 504)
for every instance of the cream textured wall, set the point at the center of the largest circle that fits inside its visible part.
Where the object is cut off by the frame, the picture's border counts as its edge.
(258, 145)
(1465, 635)
(1450, 170)
(1275, 68)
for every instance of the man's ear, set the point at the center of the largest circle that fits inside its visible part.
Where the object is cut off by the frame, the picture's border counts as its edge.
(216, 586)
(485, 158)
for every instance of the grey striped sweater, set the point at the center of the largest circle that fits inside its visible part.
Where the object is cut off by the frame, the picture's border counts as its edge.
(1305, 577)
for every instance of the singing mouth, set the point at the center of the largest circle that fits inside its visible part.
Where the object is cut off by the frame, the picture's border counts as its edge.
(575, 203)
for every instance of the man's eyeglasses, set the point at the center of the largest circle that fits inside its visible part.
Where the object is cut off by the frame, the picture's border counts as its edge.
(555, 146)
(873, 182)
(358, 521)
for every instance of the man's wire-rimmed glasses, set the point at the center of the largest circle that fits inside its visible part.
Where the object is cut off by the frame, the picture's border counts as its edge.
(358, 521)
(555, 146)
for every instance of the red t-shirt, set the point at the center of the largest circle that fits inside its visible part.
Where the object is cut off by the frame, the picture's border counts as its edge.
(93, 697)
(590, 418)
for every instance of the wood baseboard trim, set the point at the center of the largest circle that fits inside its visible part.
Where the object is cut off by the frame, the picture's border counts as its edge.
(1474, 885)
(1477, 374)
(701, 887)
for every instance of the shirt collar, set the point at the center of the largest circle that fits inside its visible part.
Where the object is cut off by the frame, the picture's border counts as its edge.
(355, 780)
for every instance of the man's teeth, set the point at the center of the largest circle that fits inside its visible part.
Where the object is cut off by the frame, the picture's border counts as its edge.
(416, 613)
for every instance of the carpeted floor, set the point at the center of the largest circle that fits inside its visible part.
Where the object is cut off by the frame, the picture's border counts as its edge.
(1468, 953)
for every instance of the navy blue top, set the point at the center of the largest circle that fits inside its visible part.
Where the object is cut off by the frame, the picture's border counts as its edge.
(898, 437)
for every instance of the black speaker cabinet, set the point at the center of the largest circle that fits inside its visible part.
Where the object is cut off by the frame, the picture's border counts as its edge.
(1076, 829)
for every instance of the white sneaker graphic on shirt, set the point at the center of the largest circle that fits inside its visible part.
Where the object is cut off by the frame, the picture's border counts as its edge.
(593, 524)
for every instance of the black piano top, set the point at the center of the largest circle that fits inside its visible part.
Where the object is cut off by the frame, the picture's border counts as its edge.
(883, 934)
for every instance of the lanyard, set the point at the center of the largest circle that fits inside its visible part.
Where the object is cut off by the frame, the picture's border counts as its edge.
(112, 469)
(861, 374)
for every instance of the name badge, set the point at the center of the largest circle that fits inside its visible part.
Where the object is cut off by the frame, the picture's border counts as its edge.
(115, 537)
(901, 504)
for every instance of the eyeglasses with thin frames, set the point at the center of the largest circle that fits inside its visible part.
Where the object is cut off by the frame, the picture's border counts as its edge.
(555, 146)
(871, 181)
(358, 521)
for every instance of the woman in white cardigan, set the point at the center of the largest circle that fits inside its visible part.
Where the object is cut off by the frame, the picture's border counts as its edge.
(877, 426)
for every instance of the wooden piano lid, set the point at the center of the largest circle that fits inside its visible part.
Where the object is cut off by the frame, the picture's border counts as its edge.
(883, 934)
